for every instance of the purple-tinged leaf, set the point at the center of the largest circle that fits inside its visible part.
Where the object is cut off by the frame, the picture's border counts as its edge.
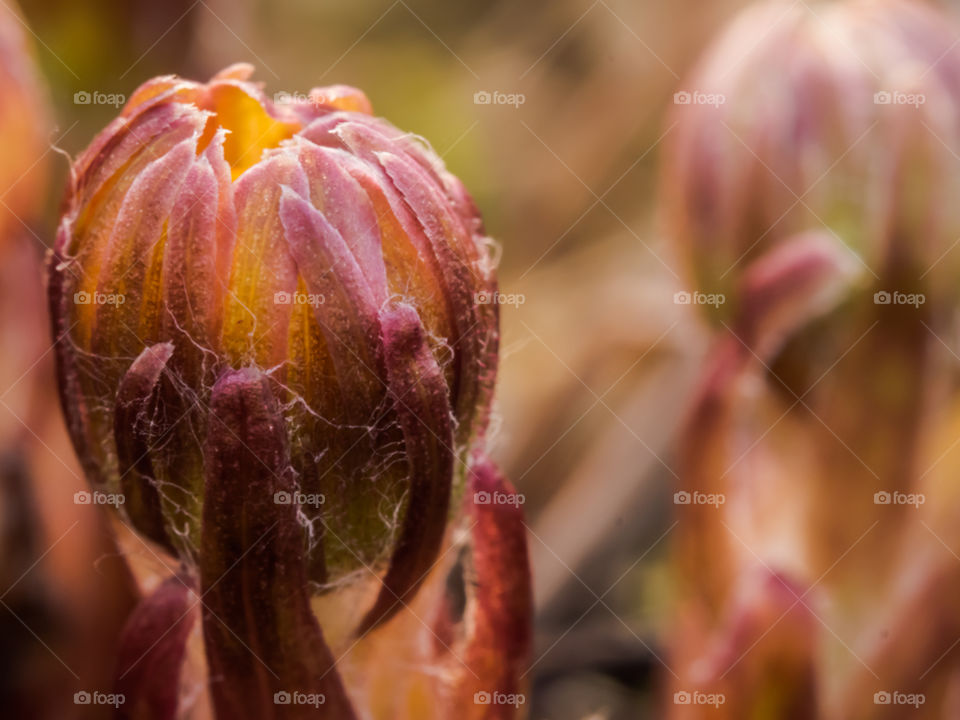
(263, 641)
(420, 399)
(345, 308)
(152, 649)
(343, 202)
(476, 342)
(135, 432)
(485, 620)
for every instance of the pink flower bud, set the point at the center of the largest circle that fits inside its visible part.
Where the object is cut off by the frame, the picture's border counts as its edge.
(835, 117)
(210, 230)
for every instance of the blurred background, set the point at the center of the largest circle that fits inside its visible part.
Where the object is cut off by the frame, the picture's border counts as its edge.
(554, 113)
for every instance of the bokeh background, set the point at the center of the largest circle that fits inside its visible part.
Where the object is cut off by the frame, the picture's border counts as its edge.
(598, 362)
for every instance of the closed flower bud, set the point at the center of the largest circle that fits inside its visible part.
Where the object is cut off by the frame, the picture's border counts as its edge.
(840, 117)
(211, 230)
(811, 180)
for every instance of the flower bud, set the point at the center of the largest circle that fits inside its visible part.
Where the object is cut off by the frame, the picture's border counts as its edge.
(210, 230)
(840, 117)
(811, 180)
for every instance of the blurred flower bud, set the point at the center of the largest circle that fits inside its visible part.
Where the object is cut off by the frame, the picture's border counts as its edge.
(24, 125)
(837, 122)
(841, 117)
(210, 230)
(811, 179)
